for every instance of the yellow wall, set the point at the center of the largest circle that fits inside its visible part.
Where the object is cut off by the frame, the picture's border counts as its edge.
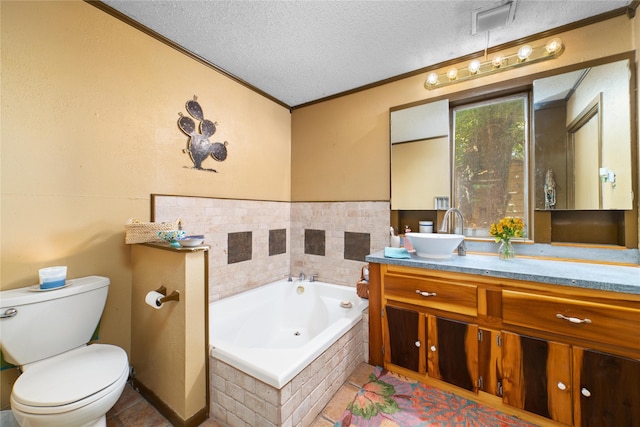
(89, 130)
(341, 147)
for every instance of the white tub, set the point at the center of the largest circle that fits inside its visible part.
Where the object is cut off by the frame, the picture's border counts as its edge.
(273, 332)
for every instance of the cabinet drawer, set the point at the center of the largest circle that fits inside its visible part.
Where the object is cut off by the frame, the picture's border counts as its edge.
(593, 321)
(440, 294)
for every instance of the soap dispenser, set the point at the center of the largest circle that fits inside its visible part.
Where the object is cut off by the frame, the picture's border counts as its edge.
(407, 242)
(394, 239)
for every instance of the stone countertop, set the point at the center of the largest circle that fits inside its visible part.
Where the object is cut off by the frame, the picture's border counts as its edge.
(578, 274)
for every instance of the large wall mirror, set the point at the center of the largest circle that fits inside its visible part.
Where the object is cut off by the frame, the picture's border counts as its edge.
(582, 135)
(582, 126)
(420, 156)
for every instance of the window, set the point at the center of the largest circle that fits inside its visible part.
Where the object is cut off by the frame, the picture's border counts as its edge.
(490, 141)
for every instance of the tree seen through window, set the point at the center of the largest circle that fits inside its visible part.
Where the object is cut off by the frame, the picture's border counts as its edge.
(490, 161)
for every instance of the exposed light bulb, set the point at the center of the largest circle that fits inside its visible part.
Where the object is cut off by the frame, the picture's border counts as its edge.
(524, 52)
(553, 46)
(432, 79)
(474, 66)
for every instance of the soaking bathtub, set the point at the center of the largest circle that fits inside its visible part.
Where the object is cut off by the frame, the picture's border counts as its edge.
(273, 332)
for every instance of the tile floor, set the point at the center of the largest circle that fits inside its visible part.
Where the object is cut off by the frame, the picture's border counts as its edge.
(132, 410)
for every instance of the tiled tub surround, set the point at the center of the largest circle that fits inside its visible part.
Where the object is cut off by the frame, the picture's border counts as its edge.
(253, 243)
(224, 221)
(239, 400)
(347, 227)
(273, 332)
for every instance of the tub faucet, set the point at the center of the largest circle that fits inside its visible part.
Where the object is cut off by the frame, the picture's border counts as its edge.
(447, 228)
(302, 277)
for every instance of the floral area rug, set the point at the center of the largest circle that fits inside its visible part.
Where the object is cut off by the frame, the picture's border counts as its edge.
(390, 400)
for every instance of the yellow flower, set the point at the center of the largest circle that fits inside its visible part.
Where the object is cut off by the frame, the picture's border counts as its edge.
(507, 228)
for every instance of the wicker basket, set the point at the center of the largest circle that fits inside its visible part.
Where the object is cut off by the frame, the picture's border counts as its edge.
(362, 287)
(146, 232)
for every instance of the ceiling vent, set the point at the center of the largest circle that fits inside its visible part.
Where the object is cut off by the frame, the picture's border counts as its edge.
(492, 17)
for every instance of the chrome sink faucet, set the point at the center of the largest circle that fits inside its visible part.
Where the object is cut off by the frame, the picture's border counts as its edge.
(447, 228)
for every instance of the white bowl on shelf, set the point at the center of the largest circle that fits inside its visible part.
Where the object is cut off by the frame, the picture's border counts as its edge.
(191, 241)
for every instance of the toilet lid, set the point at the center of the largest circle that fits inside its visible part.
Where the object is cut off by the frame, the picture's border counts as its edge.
(71, 376)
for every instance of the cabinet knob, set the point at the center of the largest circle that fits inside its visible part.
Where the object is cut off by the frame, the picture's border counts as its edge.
(561, 386)
(433, 348)
(425, 293)
(418, 344)
(585, 392)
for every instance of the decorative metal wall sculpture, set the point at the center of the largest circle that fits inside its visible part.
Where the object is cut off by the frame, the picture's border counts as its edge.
(199, 147)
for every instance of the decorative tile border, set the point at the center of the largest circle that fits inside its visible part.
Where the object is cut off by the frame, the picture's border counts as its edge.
(277, 245)
(336, 219)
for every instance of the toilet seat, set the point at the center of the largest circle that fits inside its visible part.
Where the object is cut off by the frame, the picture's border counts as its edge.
(70, 380)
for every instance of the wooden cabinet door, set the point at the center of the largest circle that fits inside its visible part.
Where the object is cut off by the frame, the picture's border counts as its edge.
(536, 376)
(607, 389)
(403, 338)
(452, 352)
(490, 361)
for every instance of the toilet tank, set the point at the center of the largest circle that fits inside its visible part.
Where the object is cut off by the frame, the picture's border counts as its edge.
(50, 322)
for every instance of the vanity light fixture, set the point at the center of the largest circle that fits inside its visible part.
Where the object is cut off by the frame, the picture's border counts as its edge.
(432, 79)
(524, 52)
(525, 55)
(474, 66)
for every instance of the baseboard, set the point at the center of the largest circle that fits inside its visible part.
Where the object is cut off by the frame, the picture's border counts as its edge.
(175, 419)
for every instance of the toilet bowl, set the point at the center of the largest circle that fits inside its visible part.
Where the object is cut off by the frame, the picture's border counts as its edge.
(75, 388)
(64, 381)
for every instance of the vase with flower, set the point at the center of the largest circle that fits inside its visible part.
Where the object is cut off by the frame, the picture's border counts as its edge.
(505, 230)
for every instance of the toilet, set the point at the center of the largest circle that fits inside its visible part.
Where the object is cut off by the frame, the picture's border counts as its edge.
(65, 381)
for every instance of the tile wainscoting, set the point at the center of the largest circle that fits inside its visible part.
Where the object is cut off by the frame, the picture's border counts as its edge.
(253, 243)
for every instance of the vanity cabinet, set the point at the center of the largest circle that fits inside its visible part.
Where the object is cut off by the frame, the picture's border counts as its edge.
(573, 383)
(452, 352)
(570, 384)
(606, 389)
(490, 371)
(431, 292)
(537, 376)
(582, 316)
(404, 338)
(423, 341)
(567, 355)
(449, 352)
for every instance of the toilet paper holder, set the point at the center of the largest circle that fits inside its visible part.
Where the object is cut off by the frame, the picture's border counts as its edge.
(173, 296)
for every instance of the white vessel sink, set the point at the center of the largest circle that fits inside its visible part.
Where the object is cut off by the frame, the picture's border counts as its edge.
(435, 246)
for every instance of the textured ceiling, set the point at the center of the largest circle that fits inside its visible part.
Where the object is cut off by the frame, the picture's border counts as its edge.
(301, 51)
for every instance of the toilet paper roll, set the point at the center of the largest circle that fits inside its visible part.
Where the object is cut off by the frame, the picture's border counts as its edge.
(153, 300)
